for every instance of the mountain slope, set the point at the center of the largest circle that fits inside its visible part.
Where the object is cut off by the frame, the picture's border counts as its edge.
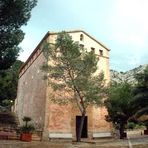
(126, 76)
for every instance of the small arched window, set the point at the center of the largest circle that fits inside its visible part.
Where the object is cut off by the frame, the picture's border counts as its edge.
(81, 37)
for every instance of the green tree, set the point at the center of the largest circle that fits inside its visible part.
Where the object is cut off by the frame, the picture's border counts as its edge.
(141, 94)
(73, 69)
(13, 14)
(119, 105)
(8, 83)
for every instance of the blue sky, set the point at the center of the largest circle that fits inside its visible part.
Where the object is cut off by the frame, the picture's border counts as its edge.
(122, 25)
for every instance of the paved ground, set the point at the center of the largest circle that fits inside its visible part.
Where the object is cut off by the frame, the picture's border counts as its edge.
(135, 140)
(136, 143)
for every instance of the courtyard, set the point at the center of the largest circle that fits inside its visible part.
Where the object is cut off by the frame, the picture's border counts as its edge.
(134, 140)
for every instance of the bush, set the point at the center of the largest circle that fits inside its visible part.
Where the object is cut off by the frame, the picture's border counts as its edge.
(27, 128)
(131, 125)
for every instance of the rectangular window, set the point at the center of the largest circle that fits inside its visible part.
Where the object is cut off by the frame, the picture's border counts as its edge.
(101, 52)
(93, 49)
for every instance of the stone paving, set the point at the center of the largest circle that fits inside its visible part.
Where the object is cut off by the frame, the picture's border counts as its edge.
(137, 141)
(18, 144)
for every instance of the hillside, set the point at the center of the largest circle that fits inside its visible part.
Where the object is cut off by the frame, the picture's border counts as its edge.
(126, 76)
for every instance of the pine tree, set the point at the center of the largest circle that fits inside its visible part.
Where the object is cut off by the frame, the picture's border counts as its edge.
(119, 105)
(13, 15)
(73, 69)
(141, 94)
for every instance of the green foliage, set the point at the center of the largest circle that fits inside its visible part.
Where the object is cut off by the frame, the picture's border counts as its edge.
(7, 118)
(140, 125)
(119, 103)
(142, 78)
(141, 94)
(131, 125)
(119, 106)
(126, 103)
(7, 103)
(146, 123)
(27, 128)
(74, 68)
(26, 119)
(8, 84)
(13, 14)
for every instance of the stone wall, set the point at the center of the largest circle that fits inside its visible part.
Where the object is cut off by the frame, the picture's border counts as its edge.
(33, 97)
(61, 120)
(31, 94)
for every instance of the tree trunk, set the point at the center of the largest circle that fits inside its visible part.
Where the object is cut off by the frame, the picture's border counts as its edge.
(121, 131)
(81, 127)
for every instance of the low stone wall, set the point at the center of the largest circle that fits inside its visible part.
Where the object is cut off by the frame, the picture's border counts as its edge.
(102, 135)
(60, 135)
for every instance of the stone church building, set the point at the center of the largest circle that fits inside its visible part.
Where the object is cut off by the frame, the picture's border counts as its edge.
(33, 95)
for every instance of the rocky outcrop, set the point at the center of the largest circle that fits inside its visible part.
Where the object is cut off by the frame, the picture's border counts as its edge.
(128, 76)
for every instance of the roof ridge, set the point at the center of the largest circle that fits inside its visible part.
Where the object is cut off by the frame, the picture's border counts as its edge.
(52, 33)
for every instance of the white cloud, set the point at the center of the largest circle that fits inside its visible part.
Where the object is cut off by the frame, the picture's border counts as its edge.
(129, 29)
(129, 22)
(120, 24)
